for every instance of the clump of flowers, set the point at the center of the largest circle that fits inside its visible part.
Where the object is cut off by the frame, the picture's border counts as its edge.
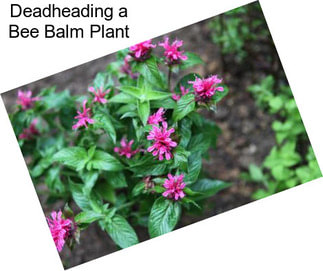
(141, 51)
(163, 144)
(183, 90)
(126, 148)
(60, 228)
(139, 179)
(172, 53)
(30, 132)
(205, 88)
(83, 118)
(157, 117)
(174, 187)
(99, 94)
(26, 100)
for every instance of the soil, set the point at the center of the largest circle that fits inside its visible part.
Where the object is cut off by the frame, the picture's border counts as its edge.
(246, 133)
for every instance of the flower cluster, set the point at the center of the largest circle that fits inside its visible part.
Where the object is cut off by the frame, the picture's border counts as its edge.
(205, 88)
(172, 54)
(163, 144)
(99, 94)
(141, 51)
(60, 228)
(83, 117)
(30, 132)
(26, 100)
(174, 187)
(126, 148)
(157, 117)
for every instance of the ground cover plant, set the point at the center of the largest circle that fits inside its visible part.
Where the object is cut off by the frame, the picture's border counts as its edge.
(129, 150)
(291, 161)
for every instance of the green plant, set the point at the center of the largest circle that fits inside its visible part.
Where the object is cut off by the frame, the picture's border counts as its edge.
(291, 161)
(234, 30)
(134, 155)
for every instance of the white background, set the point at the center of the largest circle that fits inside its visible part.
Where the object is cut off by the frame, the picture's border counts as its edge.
(282, 232)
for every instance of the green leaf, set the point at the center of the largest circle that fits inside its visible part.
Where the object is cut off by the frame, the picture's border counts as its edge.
(121, 232)
(184, 106)
(89, 179)
(79, 197)
(122, 98)
(156, 95)
(194, 167)
(209, 187)
(87, 217)
(163, 217)
(102, 79)
(117, 179)
(193, 60)
(133, 91)
(138, 189)
(103, 121)
(256, 173)
(150, 71)
(181, 158)
(74, 157)
(143, 111)
(105, 161)
(185, 132)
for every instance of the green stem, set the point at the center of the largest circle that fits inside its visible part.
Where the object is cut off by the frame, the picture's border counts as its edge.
(169, 78)
(128, 204)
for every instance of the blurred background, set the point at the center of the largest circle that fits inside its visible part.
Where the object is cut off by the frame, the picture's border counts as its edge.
(238, 47)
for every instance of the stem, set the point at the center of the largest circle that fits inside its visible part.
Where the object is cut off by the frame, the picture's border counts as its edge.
(128, 204)
(169, 78)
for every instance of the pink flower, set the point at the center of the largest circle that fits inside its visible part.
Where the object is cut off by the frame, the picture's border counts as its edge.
(126, 68)
(174, 187)
(141, 51)
(173, 56)
(61, 229)
(157, 117)
(184, 91)
(30, 132)
(25, 99)
(99, 94)
(163, 144)
(205, 88)
(126, 148)
(83, 117)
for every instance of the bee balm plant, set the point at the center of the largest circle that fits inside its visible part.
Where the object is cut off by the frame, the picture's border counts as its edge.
(128, 151)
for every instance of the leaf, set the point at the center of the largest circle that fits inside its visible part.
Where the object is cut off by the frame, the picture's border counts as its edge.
(102, 79)
(122, 98)
(138, 189)
(194, 167)
(89, 179)
(133, 91)
(256, 173)
(74, 157)
(79, 197)
(208, 187)
(184, 106)
(156, 95)
(105, 161)
(143, 111)
(185, 132)
(163, 217)
(117, 179)
(193, 60)
(121, 232)
(103, 121)
(87, 217)
(150, 71)
(181, 158)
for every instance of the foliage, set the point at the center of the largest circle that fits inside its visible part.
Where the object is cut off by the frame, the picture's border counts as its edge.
(234, 30)
(291, 161)
(103, 165)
